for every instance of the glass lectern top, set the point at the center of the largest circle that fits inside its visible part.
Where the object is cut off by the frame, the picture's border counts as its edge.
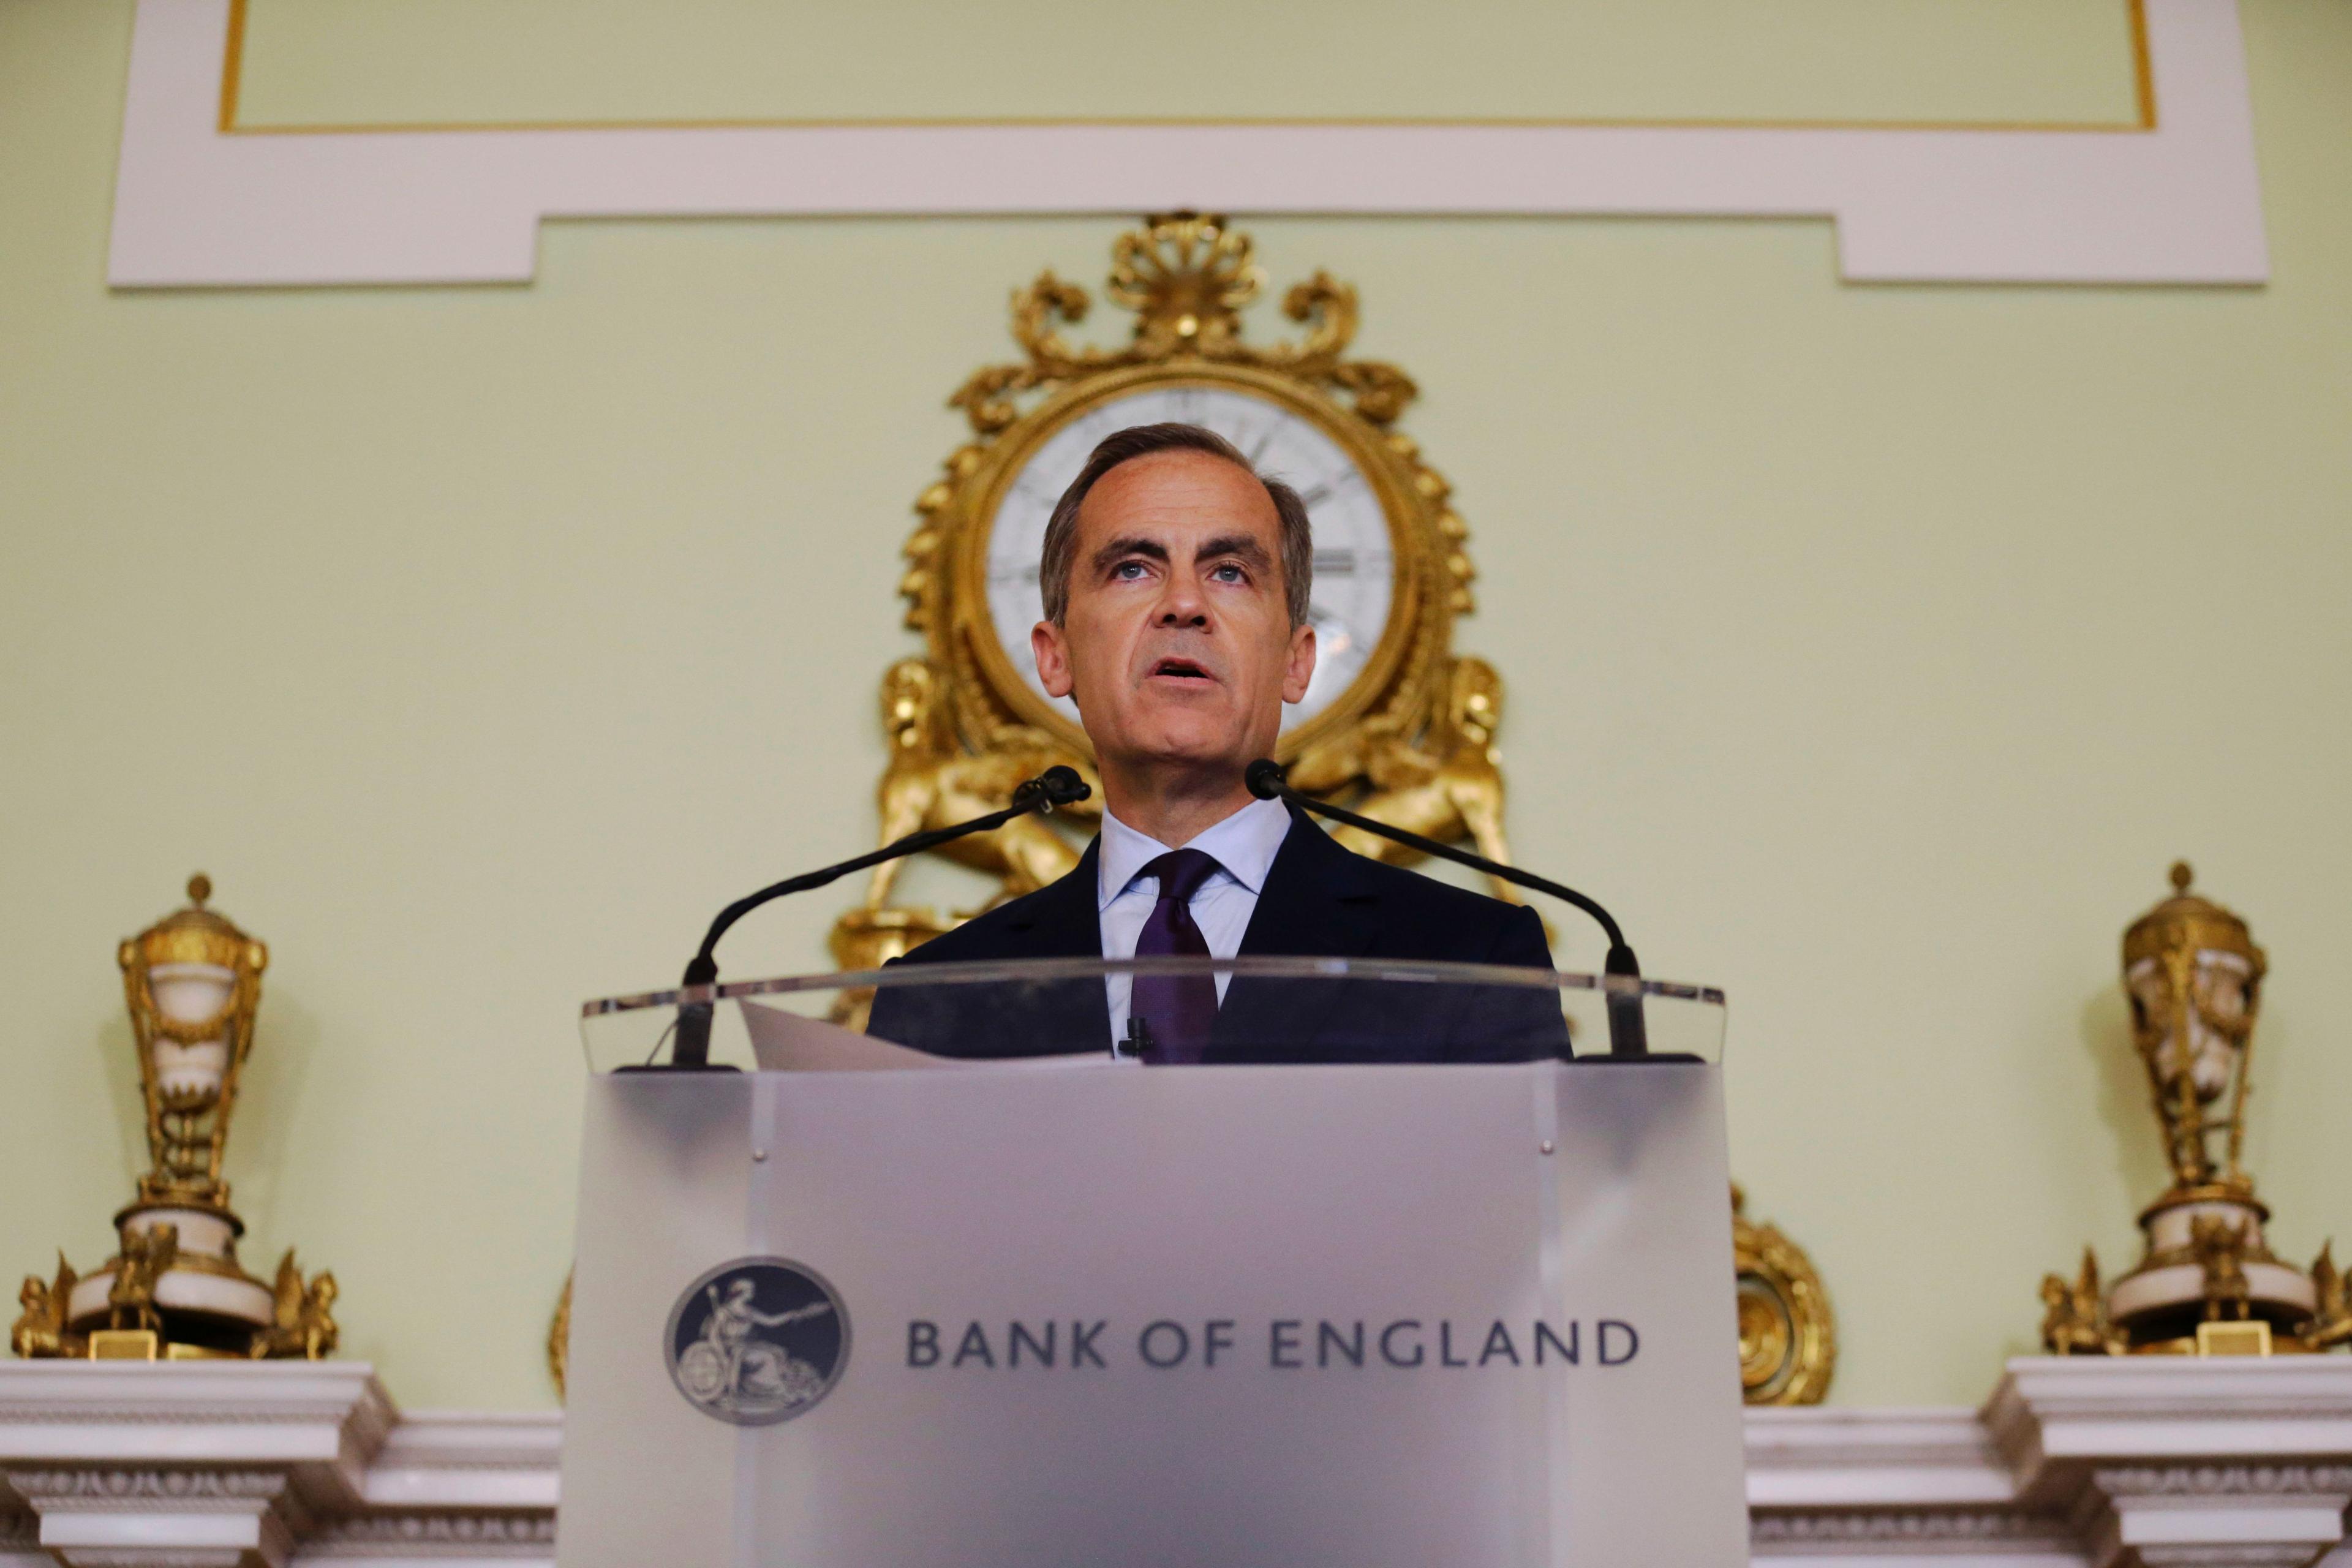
(1160, 1011)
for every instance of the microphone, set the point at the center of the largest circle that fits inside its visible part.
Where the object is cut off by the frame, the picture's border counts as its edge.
(1057, 787)
(1628, 1036)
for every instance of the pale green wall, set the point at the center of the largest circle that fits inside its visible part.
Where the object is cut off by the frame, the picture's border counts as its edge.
(1873, 649)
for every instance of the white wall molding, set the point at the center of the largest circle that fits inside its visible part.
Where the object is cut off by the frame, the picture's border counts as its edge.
(2053, 1418)
(2071, 1463)
(2258, 1514)
(2083, 1463)
(2179, 203)
(528, 1535)
(1853, 1539)
(468, 1459)
(176, 1518)
(254, 1465)
(187, 1464)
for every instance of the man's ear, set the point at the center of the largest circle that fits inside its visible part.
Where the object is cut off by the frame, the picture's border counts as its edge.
(1051, 648)
(1300, 668)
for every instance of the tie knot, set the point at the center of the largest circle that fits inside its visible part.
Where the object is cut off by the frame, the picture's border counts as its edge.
(1182, 872)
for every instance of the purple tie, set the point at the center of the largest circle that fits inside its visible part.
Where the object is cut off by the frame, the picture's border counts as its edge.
(1179, 1010)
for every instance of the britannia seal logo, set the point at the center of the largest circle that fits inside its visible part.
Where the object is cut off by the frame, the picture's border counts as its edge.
(757, 1340)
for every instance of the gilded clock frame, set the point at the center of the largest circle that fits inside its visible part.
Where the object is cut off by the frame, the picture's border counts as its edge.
(1418, 625)
(1187, 278)
(1410, 738)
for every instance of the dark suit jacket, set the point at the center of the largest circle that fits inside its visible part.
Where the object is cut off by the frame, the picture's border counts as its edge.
(1320, 900)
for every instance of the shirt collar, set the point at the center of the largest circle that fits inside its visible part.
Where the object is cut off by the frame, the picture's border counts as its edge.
(1244, 844)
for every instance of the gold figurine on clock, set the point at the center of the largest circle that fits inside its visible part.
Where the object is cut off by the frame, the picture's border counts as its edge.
(1395, 722)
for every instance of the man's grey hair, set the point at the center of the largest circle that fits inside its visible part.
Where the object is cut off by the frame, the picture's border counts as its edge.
(1059, 556)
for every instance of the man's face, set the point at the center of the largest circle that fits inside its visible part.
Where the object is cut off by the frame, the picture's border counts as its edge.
(1176, 642)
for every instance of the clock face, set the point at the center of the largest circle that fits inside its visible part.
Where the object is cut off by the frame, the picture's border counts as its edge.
(1355, 554)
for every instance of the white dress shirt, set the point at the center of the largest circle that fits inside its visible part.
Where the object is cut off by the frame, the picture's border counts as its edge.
(1243, 846)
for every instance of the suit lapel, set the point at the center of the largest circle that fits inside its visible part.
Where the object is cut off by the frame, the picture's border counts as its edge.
(1316, 903)
(1063, 920)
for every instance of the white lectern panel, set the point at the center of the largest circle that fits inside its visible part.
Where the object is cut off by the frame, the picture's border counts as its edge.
(1452, 1317)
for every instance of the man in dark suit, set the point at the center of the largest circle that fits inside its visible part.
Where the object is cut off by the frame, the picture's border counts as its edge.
(1175, 581)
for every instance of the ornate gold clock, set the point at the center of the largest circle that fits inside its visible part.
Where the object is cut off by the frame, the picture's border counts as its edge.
(1393, 721)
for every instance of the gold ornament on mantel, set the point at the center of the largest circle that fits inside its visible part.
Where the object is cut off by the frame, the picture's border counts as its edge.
(558, 1340)
(2208, 1283)
(1395, 723)
(1787, 1336)
(175, 1289)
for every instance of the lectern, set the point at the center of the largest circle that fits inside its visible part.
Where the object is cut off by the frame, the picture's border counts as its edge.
(856, 1306)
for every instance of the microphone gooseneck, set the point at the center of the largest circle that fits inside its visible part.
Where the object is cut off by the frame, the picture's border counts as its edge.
(1058, 786)
(1628, 1035)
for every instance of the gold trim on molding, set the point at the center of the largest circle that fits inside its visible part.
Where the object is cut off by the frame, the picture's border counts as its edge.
(232, 70)
(2143, 66)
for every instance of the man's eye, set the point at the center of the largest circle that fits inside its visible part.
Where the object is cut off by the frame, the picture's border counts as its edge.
(1128, 571)
(1229, 573)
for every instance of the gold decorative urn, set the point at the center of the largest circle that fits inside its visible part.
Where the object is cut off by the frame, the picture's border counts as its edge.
(2208, 1282)
(174, 1290)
